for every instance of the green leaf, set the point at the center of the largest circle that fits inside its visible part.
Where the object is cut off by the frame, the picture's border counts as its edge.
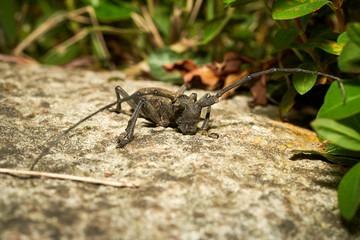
(303, 82)
(61, 55)
(353, 121)
(326, 45)
(304, 20)
(93, 3)
(7, 19)
(109, 12)
(213, 28)
(284, 36)
(162, 57)
(336, 150)
(353, 30)
(234, 3)
(290, 9)
(210, 7)
(349, 192)
(287, 101)
(162, 19)
(349, 59)
(337, 133)
(333, 106)
(337, 159)
(97, 47)
(230, 2)
(343, 38)
(199, 58)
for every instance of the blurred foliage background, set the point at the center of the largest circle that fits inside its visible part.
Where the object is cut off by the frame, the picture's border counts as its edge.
(119, 33)
(116, 34)
(142, 36)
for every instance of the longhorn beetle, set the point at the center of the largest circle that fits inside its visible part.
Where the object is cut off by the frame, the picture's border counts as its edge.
(174, 109)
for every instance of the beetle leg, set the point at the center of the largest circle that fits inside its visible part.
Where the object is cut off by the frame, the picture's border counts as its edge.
(193, 97)
(121, 92)
(206, 120)
(182, 89)
(128, 135)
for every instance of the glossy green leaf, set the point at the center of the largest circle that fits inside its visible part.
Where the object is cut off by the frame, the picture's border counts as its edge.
(336, 150)
(353, 121)
(162, 57)
(353, 30)
(349, 59)
(303, 82)
(284, 36)
(326, 45)
(349, 192)
(290, 9)
(338, 159)
(334, 107)
(109, 12)
(337, 133)
(343, 38)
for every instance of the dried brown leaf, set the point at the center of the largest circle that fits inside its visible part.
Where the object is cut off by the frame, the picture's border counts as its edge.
(230, 79)
(258, 90)
(182, 66)
(205, 75)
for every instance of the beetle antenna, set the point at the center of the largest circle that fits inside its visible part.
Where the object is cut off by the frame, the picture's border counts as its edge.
(209, 100)
(250, 77)
(53, 143)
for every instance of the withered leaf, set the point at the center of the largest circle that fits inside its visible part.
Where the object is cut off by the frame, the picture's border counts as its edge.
(205, 75)
(258, 90)
(182, 66)
(230, 79)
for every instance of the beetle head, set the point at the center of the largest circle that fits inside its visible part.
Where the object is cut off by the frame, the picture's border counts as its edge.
(187, 114)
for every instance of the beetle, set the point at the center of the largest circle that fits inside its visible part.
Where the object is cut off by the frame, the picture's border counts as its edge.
(173, 109)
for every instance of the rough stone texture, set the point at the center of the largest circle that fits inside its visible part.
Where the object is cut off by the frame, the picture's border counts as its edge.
(240, 186)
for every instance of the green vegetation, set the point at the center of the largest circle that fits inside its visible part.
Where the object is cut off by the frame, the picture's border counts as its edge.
(318, 35)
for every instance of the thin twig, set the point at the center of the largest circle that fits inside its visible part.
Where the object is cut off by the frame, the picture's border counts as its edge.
(45, 27)
(153, 29)
(55, 20)
(61, 48)
(194, 12)
(107, 182)
(339, 15)
(99, 35)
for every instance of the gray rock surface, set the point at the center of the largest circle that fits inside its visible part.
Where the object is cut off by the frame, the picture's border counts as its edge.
(242, 185)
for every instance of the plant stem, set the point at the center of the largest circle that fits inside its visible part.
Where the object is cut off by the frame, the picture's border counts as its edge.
(150, 6)
(114, 30)
(304, 39)
(339, 15)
